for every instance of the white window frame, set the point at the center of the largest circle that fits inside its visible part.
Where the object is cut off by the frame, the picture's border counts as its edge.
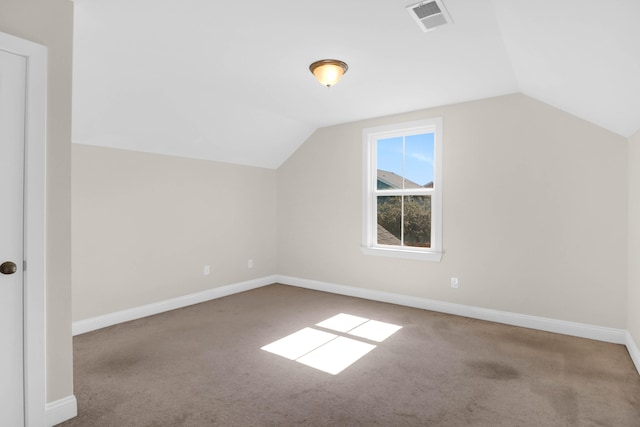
(370, 136)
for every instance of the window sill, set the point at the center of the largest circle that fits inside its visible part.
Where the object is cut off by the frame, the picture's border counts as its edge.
(402, 253)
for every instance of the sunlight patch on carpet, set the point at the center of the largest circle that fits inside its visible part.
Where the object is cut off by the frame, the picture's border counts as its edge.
(336, 355)
(342, 322)
(375, 331)
(299, 343)
(333, 352)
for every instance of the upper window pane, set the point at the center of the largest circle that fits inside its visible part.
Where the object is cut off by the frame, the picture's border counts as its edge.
(418, 160)
(405, 162)
(389, 162)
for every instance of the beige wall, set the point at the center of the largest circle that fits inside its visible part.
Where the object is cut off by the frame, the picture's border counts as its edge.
(633, 299)
(535, 213)
(50, 23)
(144, 225)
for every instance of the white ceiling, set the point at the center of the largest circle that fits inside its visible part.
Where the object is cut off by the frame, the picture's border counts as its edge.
(229, 80)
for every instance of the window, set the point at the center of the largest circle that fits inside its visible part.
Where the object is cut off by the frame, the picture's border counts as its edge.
(402, 191)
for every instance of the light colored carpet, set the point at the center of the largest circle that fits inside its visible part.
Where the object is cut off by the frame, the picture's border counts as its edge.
(203, 366)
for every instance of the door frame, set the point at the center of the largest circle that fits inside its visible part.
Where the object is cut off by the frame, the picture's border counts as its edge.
(34, 225)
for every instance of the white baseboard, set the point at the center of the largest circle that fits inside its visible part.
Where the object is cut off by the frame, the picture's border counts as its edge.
(634, 352)
(61, 410)
(600, 333)
(88, 325)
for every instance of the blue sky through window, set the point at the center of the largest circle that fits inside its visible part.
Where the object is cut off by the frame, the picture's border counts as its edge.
(418, 157)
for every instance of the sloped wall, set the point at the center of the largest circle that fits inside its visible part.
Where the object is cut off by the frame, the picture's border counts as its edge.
(535, 213)
(144, 225)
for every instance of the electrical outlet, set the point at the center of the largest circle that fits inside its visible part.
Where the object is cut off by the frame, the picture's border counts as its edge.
(454, 282)
(250, 263)
(206, 270)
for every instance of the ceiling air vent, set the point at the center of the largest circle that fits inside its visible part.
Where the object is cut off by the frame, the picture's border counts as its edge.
(429, 14)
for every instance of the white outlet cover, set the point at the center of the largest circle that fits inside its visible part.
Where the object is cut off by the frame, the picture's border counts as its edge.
(454, 282)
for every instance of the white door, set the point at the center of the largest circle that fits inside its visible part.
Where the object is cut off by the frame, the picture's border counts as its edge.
(12, 124)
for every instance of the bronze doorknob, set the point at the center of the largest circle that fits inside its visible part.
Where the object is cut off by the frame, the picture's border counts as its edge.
(8, 267)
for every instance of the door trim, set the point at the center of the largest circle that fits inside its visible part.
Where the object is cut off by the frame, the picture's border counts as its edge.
(35, 225)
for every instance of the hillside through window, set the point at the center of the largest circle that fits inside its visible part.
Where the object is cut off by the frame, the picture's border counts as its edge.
(403, 190)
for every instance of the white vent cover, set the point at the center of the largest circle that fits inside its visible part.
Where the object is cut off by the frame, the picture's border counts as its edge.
(430, 14)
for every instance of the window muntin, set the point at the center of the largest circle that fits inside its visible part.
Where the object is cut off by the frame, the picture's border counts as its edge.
(402, 191)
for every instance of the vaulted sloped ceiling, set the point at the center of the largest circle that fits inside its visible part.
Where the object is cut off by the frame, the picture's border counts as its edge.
(229, 80)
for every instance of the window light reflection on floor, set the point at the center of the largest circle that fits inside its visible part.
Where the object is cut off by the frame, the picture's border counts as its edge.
(375, 331)
(333, 352)
(299, 343)
(336, 355)
(342, 322)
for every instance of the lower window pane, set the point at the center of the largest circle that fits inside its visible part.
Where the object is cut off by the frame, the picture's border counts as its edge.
(389, 220)
(417, 221)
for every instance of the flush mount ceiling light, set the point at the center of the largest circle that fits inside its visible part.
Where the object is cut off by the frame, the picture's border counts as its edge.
(328, 71)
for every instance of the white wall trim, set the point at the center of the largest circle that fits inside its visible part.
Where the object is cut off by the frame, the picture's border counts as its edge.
(633, 350)
(600, 333)
(34, 223)
(61, 410)
(88, 325)
(582, 330)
